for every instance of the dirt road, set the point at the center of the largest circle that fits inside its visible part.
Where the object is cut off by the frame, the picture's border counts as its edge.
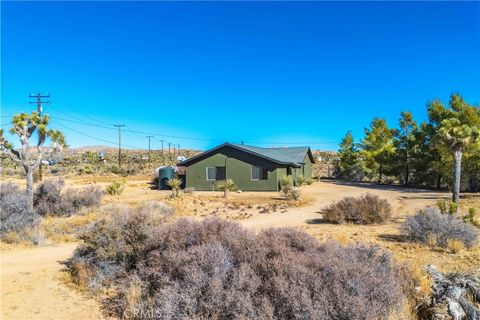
(32, 288)
(403, 200)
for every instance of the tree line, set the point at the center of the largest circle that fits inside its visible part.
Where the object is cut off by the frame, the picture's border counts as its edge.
(442, 152)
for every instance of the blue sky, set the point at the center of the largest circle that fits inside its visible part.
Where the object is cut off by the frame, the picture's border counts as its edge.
(265, 73)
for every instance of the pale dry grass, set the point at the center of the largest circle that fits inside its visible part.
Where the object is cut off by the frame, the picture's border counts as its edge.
(65, 229)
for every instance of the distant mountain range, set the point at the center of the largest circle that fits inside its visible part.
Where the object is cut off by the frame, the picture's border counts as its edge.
(97, 148)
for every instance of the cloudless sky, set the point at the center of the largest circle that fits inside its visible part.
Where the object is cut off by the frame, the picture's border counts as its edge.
(266, 73)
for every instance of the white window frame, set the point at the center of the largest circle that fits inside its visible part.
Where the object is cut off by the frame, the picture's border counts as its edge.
(215, 173)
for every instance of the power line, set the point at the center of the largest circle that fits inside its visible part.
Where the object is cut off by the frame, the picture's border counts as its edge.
(194, 138)
(80, 113)
(96, 138)
(141, 134)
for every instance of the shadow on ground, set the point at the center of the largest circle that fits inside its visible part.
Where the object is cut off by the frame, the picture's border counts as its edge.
(398, 238)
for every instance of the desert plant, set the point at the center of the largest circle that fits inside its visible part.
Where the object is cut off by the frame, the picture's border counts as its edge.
(83, 197)
(452, 208)
(226, 186)
(15, 215)
(300, 180)
(442, 206)
(293, 194)
(156, 210)
(366, 209)
(431, 222)
(470, 217)
(217, 269)
(115, 243)
(286, 183)
(447, 206)
(116, 187)
(49, 198)
(455, 245)
(175, 184)
(29, 156)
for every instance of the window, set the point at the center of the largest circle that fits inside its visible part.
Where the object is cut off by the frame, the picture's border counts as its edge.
(259, 173)
(211, 173)
(215, 173)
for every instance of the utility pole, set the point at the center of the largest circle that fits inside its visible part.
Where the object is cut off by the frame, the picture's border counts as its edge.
(119, 126)
(149, 137)
(162, 145)
(39, 101)
(169, 144)
(178, 149)
(39, 104)
(163, 156)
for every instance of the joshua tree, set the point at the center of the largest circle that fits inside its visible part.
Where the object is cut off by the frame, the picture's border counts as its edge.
(175, 184)
(459, 129)
(29, 156)
(226, 186)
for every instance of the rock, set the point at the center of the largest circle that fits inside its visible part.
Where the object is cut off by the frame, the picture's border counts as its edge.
(452, 292)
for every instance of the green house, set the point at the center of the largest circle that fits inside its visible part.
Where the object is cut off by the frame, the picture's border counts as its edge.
(252, 168)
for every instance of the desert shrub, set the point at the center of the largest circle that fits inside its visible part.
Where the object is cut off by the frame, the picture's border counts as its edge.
(430, 222)
(115, 243)
(175, 184)
(55, 170)
(366, 209)
(15, 217)
(115, 188)
(447, 206)
(155, 209)
(83, 197)
(115, 170)
(226, 186)
(300, 180)
(470, 217)
(293, 194)
(217, 269)
(286, 183)
(86, 170)
(49, 198)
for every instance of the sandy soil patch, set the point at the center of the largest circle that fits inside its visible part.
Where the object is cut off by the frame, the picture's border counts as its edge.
(32, 287)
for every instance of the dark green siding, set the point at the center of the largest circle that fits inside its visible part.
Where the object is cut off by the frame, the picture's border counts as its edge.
(238, 167)
(307, 167)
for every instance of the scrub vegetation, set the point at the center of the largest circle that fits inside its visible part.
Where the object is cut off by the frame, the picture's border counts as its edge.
(366, 209)
(431, 227)
(218, 269)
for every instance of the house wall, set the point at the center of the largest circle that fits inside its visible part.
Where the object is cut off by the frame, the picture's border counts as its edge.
(238, 168)
(307, 167)
(305, 170)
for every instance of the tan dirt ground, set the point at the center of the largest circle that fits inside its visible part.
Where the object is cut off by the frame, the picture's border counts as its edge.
(32, 287)
(31, 282)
